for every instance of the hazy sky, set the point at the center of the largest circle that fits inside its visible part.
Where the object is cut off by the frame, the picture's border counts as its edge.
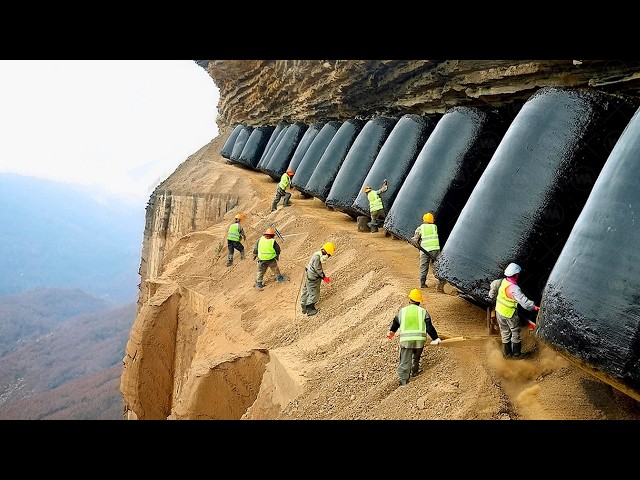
(124, 125)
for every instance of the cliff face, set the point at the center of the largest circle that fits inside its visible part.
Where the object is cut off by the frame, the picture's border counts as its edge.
(205, 344)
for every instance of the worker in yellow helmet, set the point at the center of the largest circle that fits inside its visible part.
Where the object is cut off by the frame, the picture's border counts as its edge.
(267, 252)
(234, 235)
(376, 207)
(414, 323)
(313, 273)
(427, 240)
(281, 190)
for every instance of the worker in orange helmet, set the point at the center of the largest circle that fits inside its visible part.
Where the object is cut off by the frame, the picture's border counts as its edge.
(507, 295)
(376, 207)
(313, 273)
(281, 190)
(267, 252)
(427, 240)
(234, 235)
(414, 323)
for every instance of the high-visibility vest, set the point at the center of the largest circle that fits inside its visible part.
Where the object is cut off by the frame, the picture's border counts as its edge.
(505, 306)
(375, 202)
(412, 323)
(429, 237)
(234, 232)
(284, 181)
(265, 248)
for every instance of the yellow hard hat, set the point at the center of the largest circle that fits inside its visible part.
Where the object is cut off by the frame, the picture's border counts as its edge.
(366, 189)
(329, 247)
(427, 217)
(415, 295)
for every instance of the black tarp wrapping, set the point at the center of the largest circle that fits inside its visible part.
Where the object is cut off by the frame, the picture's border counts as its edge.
(256, 143)
(304, 144)
(357, 163)
(241, 141)
(395, 159)
(276, 137)
(329, 164)
(531, 193)
(281, 157)
(591, 303)
(312, 156)
(446, 170)
(227, 148)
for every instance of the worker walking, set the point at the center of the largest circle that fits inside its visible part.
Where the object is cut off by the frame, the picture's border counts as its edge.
(427, 239)
(507, 296)
(281, 190)
(313, 274)
(234, 235)
(414, 323)
(267, 252)
(376, 207)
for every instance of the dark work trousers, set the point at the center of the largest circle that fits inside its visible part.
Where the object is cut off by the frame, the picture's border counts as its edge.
(409, 363)
(234, 245)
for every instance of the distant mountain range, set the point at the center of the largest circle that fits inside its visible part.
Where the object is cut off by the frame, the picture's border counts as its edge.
(56, 235)
(69, 280)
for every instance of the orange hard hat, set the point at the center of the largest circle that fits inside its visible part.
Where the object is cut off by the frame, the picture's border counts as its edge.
(239, 216)
(366, 189)
(270, 231)
(290, 172)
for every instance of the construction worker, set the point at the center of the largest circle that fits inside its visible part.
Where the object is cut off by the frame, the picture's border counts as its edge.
(234, 235)
(281, 190)
(507, 296)
(414, 323)
(427, 240)
(313, 274)
(376, 206)
(267, 252)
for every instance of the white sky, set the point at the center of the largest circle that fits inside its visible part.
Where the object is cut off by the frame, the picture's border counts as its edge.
(124, 125)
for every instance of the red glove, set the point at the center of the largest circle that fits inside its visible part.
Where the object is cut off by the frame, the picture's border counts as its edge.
(532, 326)
(326, 280)
(536, 308)
(390, 335)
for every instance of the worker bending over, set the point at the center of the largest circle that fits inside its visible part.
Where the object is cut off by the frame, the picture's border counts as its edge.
(313, 274)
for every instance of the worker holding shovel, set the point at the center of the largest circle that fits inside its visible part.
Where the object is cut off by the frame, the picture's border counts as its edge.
(414, 323)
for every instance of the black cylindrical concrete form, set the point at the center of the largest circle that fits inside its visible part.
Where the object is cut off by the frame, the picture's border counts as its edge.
(533, 189)
(395, 159)
(446, 170)
(281, 157)
(357, 164)
(274, 141)
(329, 164)
(590, 306)
(314, 153)
(304, 144)
(227, 148)
(241, 141)
(254, 148)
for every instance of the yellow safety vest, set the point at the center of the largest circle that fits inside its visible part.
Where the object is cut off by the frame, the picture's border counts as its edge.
(265, 248)
(429, 237)
(375, 202)
(505, 306)
(284, 181)
(234, 232)
(412, 324)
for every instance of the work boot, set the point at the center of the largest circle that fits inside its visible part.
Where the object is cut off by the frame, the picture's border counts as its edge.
(229, 260)
(423, 283)
(506, 349)
(274, 206)
(311, 309)
(280, 278)
(259, 284)
(242, 255)
(304, 308)
(373, 227)
(516, 348)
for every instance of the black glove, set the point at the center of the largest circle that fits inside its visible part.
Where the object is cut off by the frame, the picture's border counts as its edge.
(277, 257)
(255, 257)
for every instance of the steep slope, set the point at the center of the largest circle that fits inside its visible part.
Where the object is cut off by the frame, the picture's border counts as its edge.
(206, 344)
